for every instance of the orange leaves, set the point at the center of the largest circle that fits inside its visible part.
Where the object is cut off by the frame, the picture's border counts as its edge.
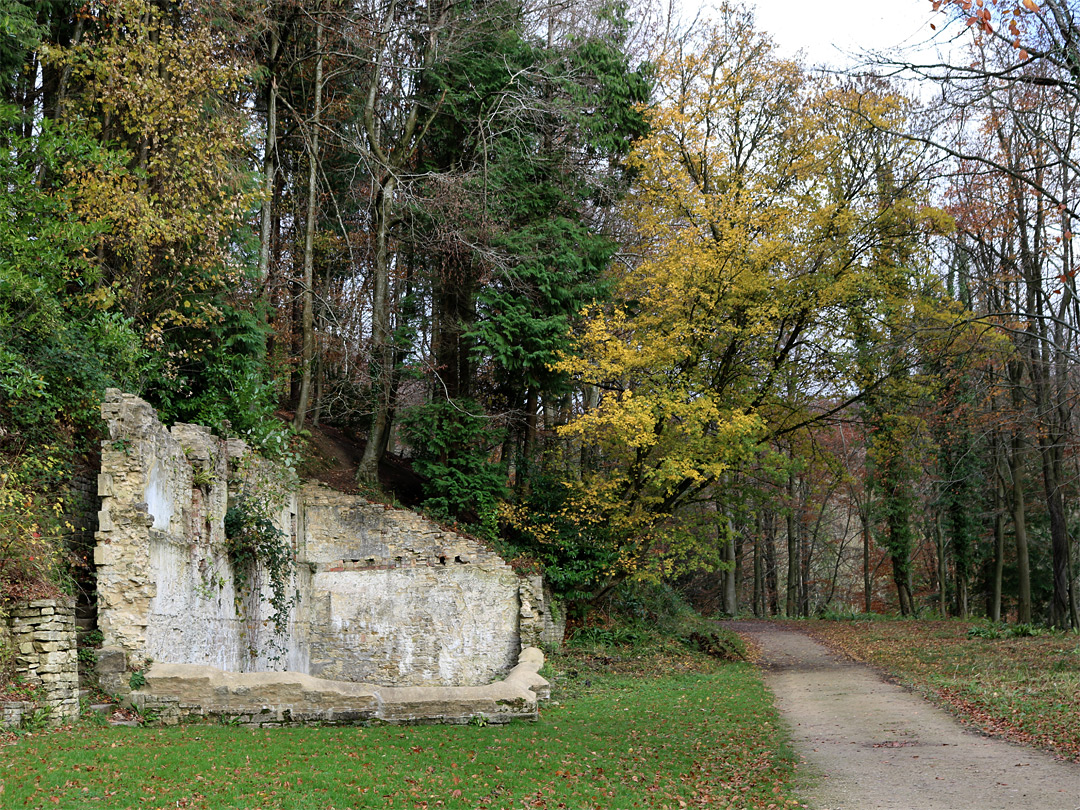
(980, 17)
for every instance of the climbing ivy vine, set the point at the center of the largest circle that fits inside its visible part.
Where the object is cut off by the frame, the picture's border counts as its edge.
(255, 545)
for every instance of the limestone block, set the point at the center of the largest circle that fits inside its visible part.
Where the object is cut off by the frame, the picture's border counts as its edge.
(111, 660)
(51, 635)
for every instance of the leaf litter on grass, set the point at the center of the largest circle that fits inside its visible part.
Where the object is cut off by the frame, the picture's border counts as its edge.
(627, 731)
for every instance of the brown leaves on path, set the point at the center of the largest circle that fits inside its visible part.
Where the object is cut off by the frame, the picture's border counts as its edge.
(1026, 690)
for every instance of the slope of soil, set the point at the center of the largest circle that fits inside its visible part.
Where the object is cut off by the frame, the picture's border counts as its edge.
(332, 456)
(871, 745)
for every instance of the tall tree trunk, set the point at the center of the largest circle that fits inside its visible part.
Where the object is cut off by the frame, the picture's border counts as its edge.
(269, 161)
(1019, 519)
(759, 568)
(808, 540)
(772, 584)
(792, 602)
(1050, 437)
(942, 567)
(454, 312)
(901, 561)
(730, 584)
(308, 318)
(1060, 613)
(381, 339)
(999, 537)
(868, 574)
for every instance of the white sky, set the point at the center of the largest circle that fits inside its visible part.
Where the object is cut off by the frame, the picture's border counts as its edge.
(827, 30)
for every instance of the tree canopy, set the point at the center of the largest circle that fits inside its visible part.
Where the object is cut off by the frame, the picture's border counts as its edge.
(629, 302)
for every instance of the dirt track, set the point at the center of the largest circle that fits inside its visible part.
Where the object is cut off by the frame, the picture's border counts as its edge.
(870, 745)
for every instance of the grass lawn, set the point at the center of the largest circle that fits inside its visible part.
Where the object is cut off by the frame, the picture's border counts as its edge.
(679, 732)
(1025, 689)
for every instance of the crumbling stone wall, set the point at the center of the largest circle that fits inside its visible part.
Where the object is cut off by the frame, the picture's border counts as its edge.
(397, 600)
(42, 632)
(543, 622)
(381, 595)
(81, 505)
(165, 586)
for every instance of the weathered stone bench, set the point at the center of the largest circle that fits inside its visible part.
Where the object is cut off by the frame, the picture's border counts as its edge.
(178, 692)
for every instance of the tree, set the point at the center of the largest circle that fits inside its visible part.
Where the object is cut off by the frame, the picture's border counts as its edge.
(757, 244)
(1022, 108)
(158, 85)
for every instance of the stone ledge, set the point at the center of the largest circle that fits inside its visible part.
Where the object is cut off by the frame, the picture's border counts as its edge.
(189, 691)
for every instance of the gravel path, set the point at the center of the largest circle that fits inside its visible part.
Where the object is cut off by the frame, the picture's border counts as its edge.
(872, 745)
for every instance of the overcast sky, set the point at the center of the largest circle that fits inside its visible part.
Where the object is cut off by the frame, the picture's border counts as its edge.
(828, 29)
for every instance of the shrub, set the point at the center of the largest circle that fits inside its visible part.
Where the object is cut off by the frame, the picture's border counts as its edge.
(452, 444)
(31, 523)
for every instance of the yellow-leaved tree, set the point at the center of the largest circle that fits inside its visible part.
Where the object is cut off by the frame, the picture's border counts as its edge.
(764, 207)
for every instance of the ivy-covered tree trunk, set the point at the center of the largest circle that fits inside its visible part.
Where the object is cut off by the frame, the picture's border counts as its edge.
(1017, 503)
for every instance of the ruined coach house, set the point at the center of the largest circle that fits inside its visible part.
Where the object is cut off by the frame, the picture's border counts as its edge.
(227, 588)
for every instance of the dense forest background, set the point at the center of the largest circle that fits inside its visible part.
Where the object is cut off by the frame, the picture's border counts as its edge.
(633, 302)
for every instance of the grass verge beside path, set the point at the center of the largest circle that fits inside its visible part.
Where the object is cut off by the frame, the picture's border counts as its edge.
(673, 735)
(1024, 689)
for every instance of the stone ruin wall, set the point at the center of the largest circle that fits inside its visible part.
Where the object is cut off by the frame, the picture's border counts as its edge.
(382, 596)
(42, 635)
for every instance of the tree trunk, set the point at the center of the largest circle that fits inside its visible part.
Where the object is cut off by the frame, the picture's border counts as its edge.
(731, 607)
(381, 345)
(999, 539)
(868, 584)
(792, 603)
(1060, 613)
(772, 584)
(308, 316)
(269, 162)
(942, 568)
(759, 569)
(1019, 518)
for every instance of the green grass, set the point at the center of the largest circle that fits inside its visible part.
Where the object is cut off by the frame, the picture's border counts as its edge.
(699, 738)
(1024, 688)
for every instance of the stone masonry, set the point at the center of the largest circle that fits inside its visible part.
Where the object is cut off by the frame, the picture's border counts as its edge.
(542, 623)
(380, 596)
(397, 600)
(185, 692)
(43, 635)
